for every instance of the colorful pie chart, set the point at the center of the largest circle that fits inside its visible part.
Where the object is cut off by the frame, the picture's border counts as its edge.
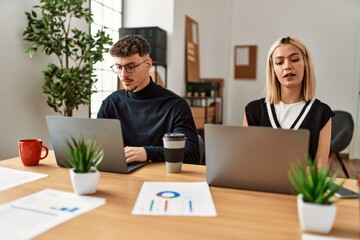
(168, 194)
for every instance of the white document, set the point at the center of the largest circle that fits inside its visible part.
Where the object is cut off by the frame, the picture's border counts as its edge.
(175, 199)
(34, 214)
(308, 236)
(11, 178)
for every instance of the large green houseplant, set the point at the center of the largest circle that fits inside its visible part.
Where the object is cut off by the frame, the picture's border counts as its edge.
(67, 84)
(315, 189)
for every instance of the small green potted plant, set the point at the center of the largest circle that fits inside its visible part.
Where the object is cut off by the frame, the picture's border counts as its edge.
(189, 91)
(83, 158)
(315, 188)
(202, 92)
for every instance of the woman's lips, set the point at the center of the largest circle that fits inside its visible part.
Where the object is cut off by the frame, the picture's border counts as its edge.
(289, 75)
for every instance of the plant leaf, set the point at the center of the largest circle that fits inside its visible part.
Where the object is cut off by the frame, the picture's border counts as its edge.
(315, 185)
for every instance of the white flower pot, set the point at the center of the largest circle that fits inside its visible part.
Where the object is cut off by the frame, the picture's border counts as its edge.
(315, 217)
(84, 183)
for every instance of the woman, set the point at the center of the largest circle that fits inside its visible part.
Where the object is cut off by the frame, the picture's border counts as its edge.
(290, 98)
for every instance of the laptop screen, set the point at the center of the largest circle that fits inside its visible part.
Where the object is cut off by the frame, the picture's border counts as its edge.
(106, 132)
(253, 158)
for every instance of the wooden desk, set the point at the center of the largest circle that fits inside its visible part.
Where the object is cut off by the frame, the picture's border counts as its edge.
(241, 214)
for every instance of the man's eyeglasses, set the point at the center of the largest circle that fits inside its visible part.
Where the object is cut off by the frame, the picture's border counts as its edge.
(129, 68)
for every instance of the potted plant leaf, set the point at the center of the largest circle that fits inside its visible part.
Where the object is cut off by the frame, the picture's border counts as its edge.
(83, 158)
(315, 188)
(68, 84)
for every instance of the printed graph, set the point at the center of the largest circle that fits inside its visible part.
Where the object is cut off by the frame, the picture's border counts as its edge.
(169, 201)
(173, 198)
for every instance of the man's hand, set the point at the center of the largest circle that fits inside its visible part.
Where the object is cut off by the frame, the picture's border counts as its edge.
(135, 154)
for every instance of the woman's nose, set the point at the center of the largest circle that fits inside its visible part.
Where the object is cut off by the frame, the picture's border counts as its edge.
(287, 65)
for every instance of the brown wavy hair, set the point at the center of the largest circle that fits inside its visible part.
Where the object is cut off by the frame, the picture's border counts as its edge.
(129, 46)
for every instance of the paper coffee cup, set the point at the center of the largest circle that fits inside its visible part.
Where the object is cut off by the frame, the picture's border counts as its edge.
(174, 149)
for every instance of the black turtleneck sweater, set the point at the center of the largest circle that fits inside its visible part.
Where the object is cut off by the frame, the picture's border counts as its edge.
(147, 115)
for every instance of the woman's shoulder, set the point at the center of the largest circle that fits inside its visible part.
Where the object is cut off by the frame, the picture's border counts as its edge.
(256, 113)
(322, 106)
(256, 103)
(322, 109)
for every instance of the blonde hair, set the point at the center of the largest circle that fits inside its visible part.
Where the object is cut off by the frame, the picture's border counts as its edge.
(273, 92)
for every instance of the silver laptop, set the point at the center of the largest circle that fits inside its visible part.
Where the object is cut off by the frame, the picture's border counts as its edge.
(253, 158)
(106, 132)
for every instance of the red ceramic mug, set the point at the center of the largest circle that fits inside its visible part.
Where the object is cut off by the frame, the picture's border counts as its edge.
(30, 151)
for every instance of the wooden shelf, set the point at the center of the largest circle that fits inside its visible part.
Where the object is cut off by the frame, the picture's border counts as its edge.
(205, 110)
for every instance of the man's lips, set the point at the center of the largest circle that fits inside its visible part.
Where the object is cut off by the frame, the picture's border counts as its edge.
(127, 81)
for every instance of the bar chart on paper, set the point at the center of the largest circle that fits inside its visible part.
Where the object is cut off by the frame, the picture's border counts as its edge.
(175, 199)
(29, 216)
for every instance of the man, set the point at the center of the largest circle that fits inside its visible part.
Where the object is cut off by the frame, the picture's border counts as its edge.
(146, 110)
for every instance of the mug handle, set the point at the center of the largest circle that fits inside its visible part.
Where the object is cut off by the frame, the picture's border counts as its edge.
(46, 152)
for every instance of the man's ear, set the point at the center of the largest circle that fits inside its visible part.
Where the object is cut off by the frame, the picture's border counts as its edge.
(149, 64)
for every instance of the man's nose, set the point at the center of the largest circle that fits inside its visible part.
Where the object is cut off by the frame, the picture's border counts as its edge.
(123, 73)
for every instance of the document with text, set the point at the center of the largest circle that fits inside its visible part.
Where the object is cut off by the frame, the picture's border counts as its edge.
(34, 214)
(10, 178)
(175, 199)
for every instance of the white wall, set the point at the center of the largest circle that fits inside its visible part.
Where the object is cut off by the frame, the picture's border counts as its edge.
(23, 106)
(214, 28)
(355, 145)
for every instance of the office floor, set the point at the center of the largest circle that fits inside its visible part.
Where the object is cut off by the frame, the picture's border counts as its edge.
(352, 166)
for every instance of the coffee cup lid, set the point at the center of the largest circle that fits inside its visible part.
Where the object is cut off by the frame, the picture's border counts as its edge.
(174, 136)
